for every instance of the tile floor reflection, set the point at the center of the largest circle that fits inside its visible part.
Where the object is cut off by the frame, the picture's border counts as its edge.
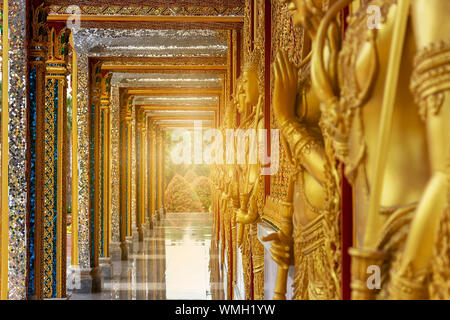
(172, 263)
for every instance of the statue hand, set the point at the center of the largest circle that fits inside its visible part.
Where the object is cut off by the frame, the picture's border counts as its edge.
(285, 89)
(281, 250)
(244, 217)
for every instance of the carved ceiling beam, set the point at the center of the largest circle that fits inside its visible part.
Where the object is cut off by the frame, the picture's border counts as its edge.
(161, 68)
(173, 91)
(180, 118)
(154, 22)
(152, 61)
(176, 108)
(161, 3)
(181, 125)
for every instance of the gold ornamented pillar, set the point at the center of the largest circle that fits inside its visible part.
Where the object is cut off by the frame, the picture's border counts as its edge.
(105, 171)
(150, 174)
(125, 177)
(36, 177)
(153, 170)
(75, 250)
(95, 192)
(160, 141)
(54, 166)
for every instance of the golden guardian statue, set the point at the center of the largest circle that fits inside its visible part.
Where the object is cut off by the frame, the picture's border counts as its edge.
(251, 184)
(386, 107)
(310, 233)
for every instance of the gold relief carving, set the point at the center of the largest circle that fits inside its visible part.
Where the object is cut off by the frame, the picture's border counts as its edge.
(309, 222)
(260, 35)
(106, 88)
(404, 237)
(249, 102)
(39, 27)
(246, 249)
(431, 78)
(49, 190)
(440, 282)
(54, 163)
(227, 193)
(164, 8)
(58, 45)
(291, 39)
(247, 28)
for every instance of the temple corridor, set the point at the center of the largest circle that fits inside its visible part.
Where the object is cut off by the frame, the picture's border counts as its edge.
(224, 150)
(173, 262)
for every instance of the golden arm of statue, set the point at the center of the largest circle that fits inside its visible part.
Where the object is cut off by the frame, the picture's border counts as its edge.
(248, 209)
(250, 215)
(301, 144)
(282, 248)
(248, 212)
(325, 78)
(431, 88)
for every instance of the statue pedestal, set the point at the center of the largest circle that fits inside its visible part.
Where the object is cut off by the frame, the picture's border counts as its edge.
(271, 267)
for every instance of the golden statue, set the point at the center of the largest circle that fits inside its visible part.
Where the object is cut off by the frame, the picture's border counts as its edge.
(231, 198)
(385, 106)
(249, 106)
(309, 236)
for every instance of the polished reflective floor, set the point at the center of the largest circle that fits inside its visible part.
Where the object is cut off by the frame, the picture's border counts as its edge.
(173, 262)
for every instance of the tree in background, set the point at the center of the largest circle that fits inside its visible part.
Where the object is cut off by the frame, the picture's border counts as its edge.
(195, 176)
(190, 177)
(179, 196)
(202, 187)
(172, 169)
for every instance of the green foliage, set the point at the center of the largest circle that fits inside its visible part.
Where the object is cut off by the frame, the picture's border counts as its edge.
(179, 196)
(202, 186)
(172, 169)
(191, 193)
(190, 176)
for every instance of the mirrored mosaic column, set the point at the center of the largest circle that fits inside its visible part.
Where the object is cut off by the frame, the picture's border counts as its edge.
(14, 262)
(150, 172)
(83, 141)
(4, 234)
(160, 150)
(105, 167)
(55, 166)
(115, 171)
(95, 191)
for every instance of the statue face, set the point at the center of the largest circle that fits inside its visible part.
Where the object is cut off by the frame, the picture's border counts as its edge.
(302, 11)
(250, 84)
(297, 10)
(240, 101)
